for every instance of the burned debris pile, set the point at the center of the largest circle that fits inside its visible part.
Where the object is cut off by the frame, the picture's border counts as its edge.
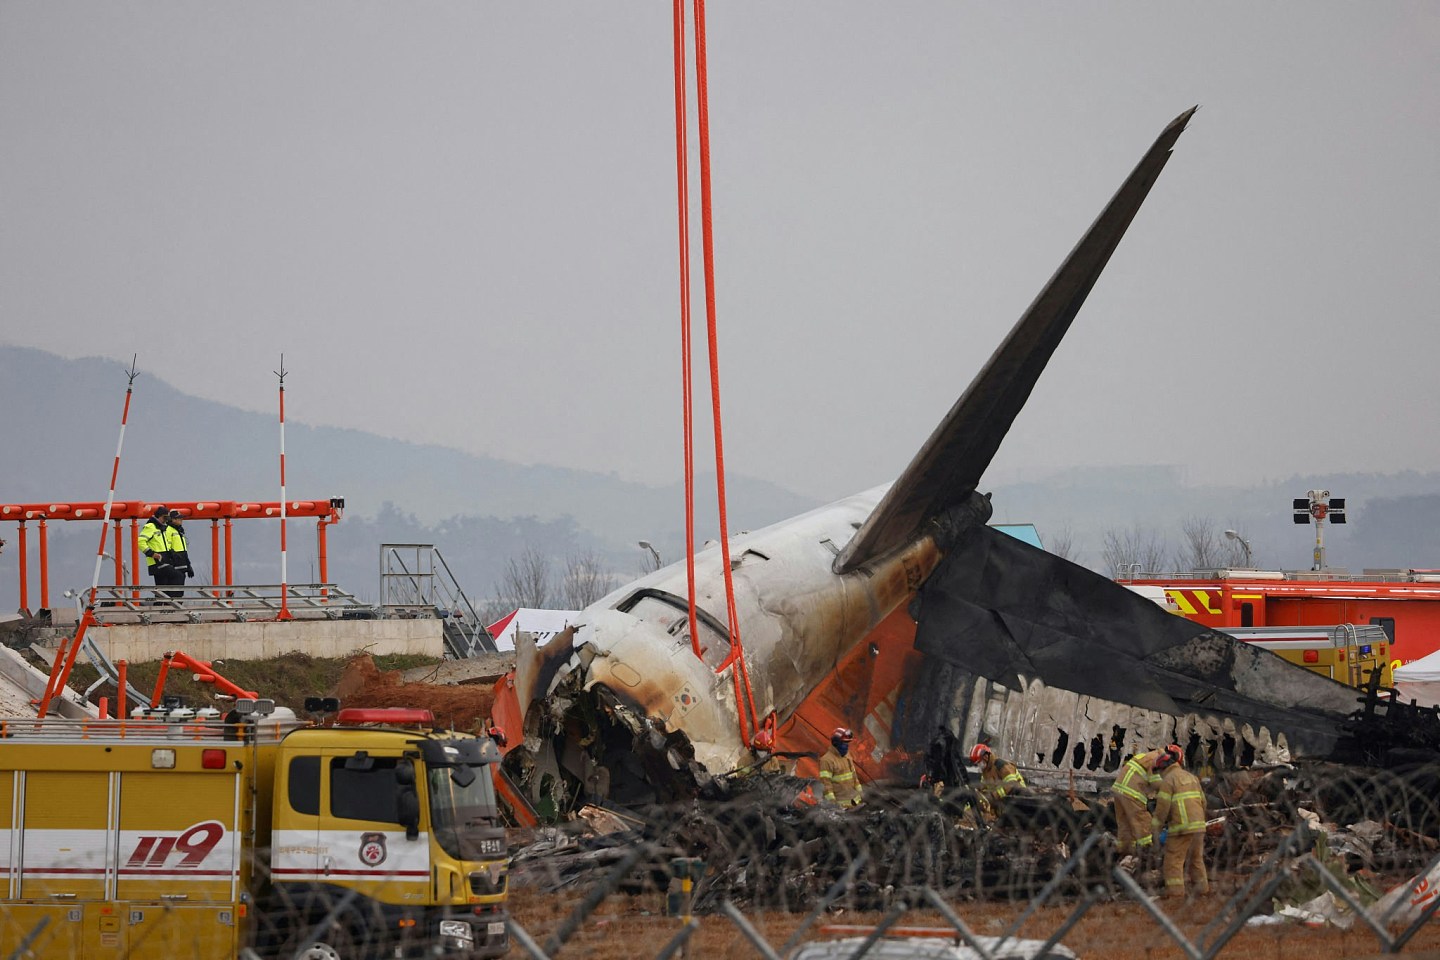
(762, 853)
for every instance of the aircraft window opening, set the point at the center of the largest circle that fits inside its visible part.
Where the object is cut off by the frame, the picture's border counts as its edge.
(1060, 747)
(1226, 754)
(1117, 741)
(1193, 748)
(660, 607)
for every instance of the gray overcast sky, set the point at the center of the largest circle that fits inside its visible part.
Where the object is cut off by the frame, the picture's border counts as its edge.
(457, 220)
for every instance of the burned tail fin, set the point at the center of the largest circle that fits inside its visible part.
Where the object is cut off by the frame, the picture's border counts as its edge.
(948, 467)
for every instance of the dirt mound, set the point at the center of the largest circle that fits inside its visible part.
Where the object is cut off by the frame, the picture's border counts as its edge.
(465, 708)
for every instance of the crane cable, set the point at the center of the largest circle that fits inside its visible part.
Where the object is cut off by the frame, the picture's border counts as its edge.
(744, 697)
(682, 180)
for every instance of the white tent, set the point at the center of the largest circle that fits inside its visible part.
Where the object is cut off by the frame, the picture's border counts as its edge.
(1419, 680)
(544, 624)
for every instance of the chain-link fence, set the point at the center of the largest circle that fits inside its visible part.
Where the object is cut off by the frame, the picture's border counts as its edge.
(1317, 846)
(1298, 859)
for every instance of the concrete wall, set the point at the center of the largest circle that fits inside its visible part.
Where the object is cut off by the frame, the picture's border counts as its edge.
(263, 640)
(20, 683)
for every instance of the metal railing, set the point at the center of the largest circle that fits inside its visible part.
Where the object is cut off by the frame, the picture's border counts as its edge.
(416, 580)
(116, 605)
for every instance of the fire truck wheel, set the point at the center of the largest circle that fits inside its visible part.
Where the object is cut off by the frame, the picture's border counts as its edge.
(337, 944)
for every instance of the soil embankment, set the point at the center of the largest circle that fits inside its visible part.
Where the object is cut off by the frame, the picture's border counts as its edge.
(359, 681)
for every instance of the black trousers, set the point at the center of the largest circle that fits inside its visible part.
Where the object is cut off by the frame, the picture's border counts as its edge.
(173, 577)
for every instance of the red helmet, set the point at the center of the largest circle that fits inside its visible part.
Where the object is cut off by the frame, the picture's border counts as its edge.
(765, 739)
(979, 752)
(1172, 754)
(842, 735)
(497, 733)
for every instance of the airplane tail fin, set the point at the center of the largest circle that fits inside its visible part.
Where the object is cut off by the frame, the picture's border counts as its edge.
(948, 467)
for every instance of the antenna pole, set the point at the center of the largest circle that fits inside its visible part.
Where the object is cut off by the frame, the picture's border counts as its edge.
(284, 576)
(65, 657)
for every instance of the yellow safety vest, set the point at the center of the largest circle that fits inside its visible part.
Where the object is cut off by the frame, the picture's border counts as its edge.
(1180, 804)
(152, 542)
(175, 541)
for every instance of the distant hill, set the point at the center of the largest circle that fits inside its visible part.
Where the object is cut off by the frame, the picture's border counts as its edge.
(58, 441)
(62, 416)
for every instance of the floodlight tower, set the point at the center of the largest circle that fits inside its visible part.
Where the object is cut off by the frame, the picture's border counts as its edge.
(1320, 505)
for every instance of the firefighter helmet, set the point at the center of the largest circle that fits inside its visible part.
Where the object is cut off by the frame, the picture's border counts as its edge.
(842, 735)
(1172, 754)
(765, 740)
(979, 752)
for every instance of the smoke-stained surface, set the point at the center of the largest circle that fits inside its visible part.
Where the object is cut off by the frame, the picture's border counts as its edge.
(998, 608)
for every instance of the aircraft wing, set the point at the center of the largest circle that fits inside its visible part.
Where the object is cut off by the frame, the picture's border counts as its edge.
(949, 465)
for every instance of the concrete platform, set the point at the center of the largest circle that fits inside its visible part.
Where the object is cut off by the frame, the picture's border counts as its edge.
(264, 640)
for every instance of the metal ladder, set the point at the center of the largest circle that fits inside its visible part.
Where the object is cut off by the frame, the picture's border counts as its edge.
(416, 581)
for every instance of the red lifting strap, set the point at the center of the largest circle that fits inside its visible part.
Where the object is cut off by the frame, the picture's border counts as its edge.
(744, 698)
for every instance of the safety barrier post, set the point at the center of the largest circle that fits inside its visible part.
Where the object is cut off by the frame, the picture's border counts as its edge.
(135, 557)
(44, 565)
(119, 553)
(24, 570)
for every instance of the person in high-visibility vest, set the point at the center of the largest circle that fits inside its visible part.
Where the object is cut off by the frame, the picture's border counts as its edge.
(1133, 790)
(838, 773)
(152, 544)
(1179, 823)
(998, 778)
(177, 555)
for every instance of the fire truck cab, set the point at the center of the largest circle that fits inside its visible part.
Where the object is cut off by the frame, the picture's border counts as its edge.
(177, 835)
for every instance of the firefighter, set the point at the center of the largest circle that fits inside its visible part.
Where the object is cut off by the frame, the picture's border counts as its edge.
(837, 771)
(998, 778)
(764, 749)
(1179, 824)
(1134, 790)
(152, 543)
(177, 555)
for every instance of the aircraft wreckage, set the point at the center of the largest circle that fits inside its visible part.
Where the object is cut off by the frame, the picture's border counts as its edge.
(898, 611)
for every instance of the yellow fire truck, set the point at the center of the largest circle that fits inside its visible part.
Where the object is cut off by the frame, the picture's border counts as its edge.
(181, 834)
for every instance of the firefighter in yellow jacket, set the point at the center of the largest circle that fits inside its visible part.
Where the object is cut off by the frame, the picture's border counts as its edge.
(1179, 824)
(1133, 790)
(998, 778)
(838, 774)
